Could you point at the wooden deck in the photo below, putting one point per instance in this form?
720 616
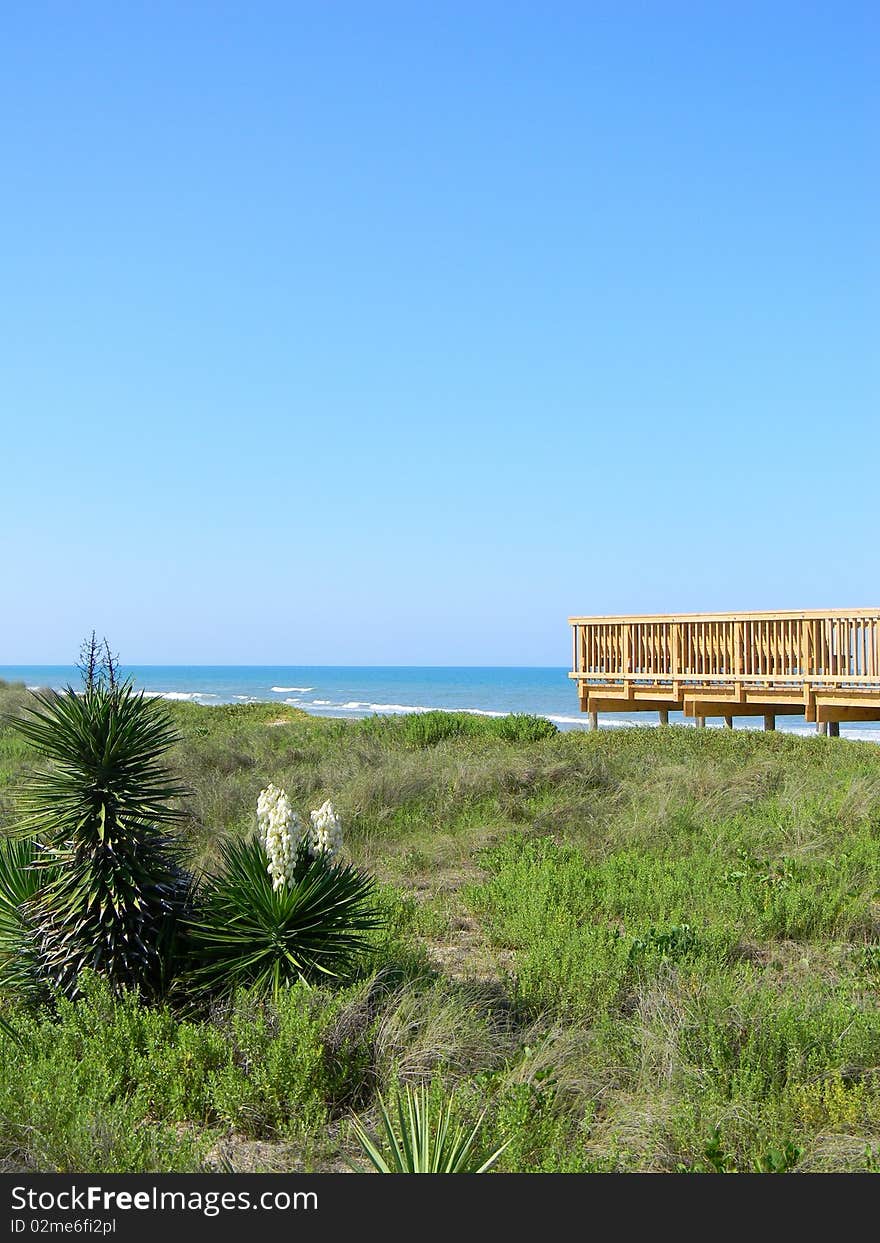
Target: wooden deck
824 665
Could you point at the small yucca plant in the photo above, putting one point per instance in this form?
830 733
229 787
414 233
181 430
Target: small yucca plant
249 931
98 813
20 882
423 1139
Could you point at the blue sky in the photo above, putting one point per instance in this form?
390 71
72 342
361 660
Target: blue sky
395 333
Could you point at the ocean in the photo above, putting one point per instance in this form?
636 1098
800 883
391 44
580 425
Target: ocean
358 691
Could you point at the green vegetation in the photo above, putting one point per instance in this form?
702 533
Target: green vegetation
89 883
247 933
420 1136
21 972
631 950
111 890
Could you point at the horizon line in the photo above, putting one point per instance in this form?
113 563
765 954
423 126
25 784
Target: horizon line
227 665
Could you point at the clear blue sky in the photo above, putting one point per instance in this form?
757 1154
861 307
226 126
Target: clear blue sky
394 333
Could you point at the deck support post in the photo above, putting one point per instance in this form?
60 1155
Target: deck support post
770 720
822 727
834 729
701 722
728 721
664 716
594 720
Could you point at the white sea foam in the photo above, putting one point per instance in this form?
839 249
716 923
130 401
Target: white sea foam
283 690
181 695
359 705
567 720
399 708
847 733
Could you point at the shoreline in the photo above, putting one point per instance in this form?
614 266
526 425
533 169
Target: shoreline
355 693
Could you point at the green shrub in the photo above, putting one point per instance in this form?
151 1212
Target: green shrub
669 943
583 932
280 1081
545 1138
717 1160
523 728
427 729
150 1080
75 1089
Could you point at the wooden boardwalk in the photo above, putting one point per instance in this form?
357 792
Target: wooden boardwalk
824 665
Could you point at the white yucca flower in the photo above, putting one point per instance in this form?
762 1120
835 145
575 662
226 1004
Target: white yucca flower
280 834
325 837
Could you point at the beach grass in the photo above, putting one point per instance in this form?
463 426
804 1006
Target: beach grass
640 949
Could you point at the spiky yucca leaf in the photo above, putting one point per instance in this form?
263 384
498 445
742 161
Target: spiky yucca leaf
20 881
97 810
425 1140
248 934
106 747
9 1031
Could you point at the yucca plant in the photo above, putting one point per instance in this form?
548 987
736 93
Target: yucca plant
20 881
99 813
247 932
422 1138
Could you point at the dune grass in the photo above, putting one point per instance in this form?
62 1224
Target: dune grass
634 950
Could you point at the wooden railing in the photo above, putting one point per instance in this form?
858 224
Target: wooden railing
835 648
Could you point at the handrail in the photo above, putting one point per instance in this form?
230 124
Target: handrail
739 616
833 647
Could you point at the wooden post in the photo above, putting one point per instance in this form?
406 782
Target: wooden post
664 716
822 727
701 722
728 721
594 720
738 668
834 729
770 720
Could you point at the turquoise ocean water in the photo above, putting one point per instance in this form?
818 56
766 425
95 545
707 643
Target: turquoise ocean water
361 691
